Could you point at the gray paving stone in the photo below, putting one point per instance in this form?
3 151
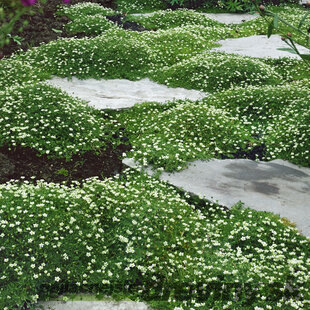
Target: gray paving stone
225 18
121 93
93 305
231 18
277 186
258 46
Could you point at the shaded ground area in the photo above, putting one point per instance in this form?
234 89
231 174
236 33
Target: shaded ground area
23 161
120 20
41 25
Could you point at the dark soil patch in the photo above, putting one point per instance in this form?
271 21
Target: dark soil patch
120 20
41 25
23 162
257 152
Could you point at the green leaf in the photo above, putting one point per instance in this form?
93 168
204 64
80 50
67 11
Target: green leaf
57 30
276 21
270 28
302 21
305 57
286 49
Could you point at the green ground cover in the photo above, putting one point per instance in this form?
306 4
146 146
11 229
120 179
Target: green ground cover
57 238
70 238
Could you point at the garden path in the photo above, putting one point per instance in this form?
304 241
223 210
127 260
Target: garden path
258 46
225 18
118 94
277 186
94 305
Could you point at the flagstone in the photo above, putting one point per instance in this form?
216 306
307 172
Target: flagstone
277 186
231 18
93 305
258 46
121 93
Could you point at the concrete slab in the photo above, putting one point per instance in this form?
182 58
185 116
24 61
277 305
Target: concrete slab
231 18
121 93
277 186
93 305
258 46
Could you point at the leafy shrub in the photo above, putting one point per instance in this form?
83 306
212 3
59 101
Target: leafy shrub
50 121
95 25
215 72
55 237
170 137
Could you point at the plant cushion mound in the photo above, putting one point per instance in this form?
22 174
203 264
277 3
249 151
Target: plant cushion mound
114 54
14 71
173 45
170 138
171 19
214 72
134 231
137 6
259 104
94 24
288 135
80 10
50 121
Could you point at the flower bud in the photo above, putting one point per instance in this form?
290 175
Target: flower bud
289 34
262 8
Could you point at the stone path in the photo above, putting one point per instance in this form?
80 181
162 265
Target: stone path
258 46
277 186
119 94
93 305
225 18
231 18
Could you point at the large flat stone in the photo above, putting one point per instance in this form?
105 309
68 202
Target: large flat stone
258 46
119 94
93 305
225 18
231 18
277 186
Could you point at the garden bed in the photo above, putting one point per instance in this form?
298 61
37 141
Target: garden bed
73 220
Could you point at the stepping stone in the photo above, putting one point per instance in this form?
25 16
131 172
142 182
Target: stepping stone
93 305
225 18
258 46
119 94
231 18
277 186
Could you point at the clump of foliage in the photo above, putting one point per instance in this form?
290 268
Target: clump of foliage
115 54
50 121
55 237
93 25
133 6
171 136
14 71
174 45
215 72
84 9
288 135
166 19
259 104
